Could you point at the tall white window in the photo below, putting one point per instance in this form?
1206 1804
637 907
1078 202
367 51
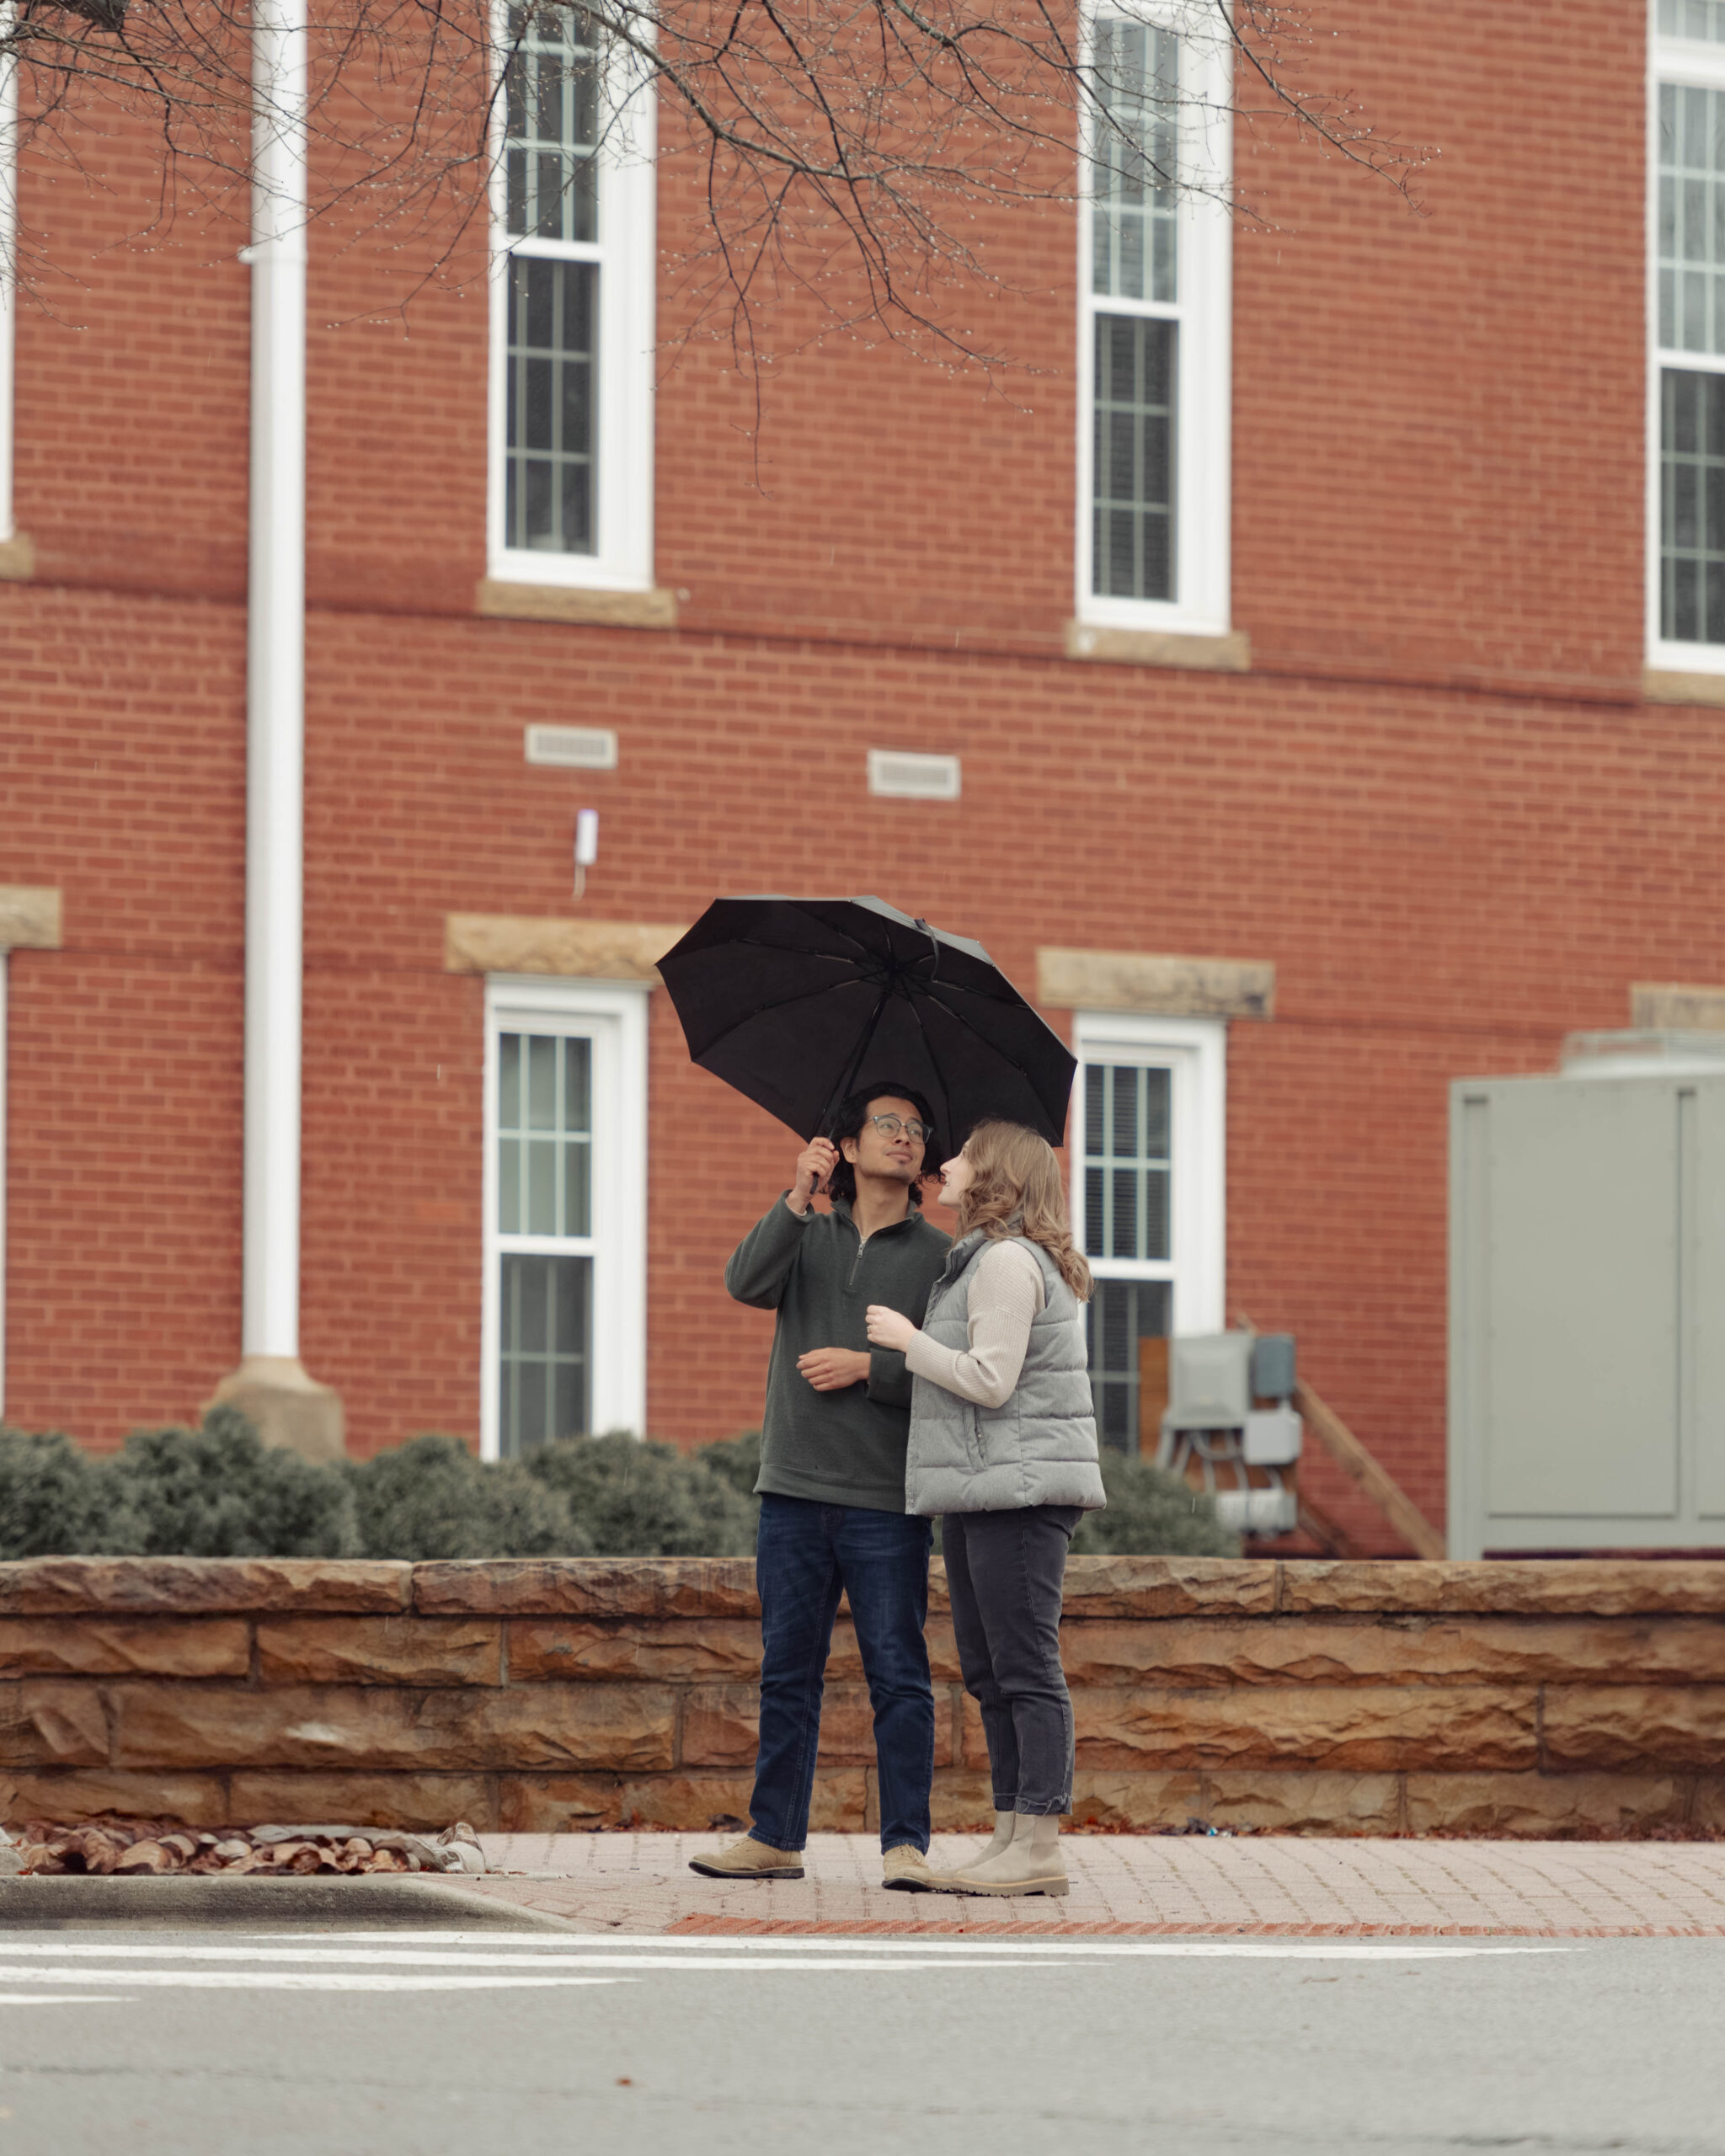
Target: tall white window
1686 335
1149 1198
564 1348
1154 322
572 323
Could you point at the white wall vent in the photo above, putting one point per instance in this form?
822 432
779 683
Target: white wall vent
918 778
574 747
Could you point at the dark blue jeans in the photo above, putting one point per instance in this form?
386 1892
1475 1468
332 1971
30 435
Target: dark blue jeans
805 1554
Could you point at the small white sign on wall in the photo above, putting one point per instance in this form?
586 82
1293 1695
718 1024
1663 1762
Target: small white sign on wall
913 777
574 747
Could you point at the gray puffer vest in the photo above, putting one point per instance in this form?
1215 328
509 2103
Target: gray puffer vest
1038 1446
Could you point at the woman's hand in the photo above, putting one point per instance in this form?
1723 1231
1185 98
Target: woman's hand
889 1329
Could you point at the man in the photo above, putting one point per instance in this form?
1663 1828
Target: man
832 1478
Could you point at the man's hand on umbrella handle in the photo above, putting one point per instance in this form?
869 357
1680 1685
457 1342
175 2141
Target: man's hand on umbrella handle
889 1328
814 1165
830 1370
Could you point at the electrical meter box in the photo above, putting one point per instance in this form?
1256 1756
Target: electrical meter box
1587 1305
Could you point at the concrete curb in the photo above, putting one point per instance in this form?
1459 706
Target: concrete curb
83 1901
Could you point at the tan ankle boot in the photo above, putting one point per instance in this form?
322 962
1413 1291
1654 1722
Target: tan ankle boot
1030 1864
749 1859
1006 1825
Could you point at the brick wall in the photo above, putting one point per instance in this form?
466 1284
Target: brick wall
1568 1698
1437 804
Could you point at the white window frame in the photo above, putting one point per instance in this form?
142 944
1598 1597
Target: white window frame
613 1016
1669 60
626 253
1202 604
1194 1051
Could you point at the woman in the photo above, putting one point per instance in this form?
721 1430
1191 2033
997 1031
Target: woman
1003 1445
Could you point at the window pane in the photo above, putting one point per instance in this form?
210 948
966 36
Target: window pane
1127 1084
542 1082
577 1195
552 418
1132 458
509 1186
1094 1224
1691 218
547 1351
541 1187
1135 133
552 104
578 1084
1119 1316
1158 1086
1691 506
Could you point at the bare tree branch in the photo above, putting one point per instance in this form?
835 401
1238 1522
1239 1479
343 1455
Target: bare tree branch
865 155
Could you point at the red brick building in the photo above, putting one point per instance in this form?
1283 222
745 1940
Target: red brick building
1350 724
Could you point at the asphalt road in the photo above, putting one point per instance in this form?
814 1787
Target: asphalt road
221 2043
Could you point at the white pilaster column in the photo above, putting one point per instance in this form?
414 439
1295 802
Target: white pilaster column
270 1384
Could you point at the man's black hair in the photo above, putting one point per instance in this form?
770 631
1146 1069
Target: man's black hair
847 1121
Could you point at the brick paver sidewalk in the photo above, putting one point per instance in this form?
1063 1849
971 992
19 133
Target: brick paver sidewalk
1140 1883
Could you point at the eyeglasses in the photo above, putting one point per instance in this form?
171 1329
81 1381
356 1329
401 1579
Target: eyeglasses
890 1126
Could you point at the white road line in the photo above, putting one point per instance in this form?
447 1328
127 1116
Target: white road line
59 1998
292 1979
540 1944
897 1956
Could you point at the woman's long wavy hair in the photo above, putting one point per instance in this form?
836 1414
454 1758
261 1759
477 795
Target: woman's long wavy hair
1015 1190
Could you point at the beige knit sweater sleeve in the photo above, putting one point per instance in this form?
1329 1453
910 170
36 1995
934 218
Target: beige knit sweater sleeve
1007 1292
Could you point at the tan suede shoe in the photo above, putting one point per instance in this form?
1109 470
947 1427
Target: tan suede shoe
906 1869
749 1859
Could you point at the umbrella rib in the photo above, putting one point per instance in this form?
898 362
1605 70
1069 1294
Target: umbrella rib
765 943
843 1090
760 1010
1011 1001
993 1047
789 950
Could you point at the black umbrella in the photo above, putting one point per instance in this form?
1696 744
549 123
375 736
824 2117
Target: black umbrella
798 1002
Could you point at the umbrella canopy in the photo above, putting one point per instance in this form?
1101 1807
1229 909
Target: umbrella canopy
798 1002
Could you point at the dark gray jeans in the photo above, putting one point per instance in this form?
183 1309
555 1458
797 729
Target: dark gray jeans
1004 1572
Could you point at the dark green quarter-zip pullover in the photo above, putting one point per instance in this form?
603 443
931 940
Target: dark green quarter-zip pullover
845 1447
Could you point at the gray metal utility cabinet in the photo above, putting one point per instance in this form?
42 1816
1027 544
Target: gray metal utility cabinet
1587 1301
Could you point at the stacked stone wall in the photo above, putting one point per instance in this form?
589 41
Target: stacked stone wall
1583 1697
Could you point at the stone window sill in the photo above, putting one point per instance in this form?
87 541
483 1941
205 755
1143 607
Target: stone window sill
1228 654
18 559
560 602
1662 688
576 950
29 917
1156 984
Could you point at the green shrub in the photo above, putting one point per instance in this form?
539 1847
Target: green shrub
737 1459
1150 1515
220 1491
432 1497
637 1498
56 1500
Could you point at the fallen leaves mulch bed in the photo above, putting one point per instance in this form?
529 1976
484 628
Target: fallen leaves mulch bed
110 1845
